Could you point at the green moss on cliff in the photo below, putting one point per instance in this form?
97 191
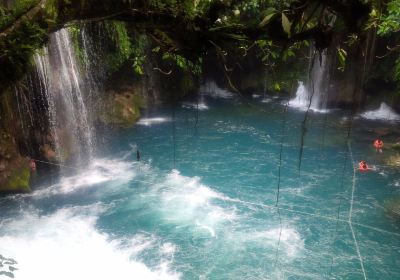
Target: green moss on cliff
394 160
121 44
18 181
122 110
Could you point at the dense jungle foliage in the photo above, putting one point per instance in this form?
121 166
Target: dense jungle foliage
182 32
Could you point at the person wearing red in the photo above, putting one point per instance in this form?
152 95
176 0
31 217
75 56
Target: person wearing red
363 166
378 144
32 164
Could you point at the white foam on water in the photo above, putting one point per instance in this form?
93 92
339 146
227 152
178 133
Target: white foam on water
266 100
212 89
98 172
168 248
189 190
291 245
197 106
384 112
207 228
152 121
188 202
290 240
255 95
66 245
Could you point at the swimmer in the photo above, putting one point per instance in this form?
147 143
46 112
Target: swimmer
137 155
363 166
378 144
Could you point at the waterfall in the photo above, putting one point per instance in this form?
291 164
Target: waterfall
314 94
66 89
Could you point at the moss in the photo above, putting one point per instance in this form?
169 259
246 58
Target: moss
121 44
396 147
122 110
19 46
394 160
18 181
5 108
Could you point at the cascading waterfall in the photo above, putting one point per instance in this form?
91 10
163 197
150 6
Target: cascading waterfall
314 94
66 90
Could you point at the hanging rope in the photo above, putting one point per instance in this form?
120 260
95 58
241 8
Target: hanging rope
304 122
280 153
279 182
342 191
174 132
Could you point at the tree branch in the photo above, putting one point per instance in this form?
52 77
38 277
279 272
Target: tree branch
29 15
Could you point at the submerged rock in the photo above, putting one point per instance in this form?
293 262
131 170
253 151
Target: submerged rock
48 152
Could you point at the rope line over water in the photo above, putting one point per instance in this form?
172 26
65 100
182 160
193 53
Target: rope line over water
351 210
324 217
56 164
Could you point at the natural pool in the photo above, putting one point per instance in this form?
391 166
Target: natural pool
201 203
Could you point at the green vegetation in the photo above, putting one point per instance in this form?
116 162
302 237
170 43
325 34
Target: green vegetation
8 16
23 29
182 32
121 42
177 38
18 181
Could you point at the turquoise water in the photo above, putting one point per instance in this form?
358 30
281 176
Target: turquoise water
201 204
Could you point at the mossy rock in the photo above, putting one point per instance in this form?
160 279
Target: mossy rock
395 146
122 110
394 160
18 180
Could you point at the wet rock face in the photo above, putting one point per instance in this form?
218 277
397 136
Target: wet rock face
48 152
122 109
14 169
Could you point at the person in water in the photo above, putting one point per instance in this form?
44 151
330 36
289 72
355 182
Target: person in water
378 144
362 165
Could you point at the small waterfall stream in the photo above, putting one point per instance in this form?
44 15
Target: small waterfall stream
314 93
66 89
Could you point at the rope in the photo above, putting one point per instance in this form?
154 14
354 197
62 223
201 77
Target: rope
279 181
351 211
280 153
280 235
174 132
304 122
334 219
56 164
342 190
